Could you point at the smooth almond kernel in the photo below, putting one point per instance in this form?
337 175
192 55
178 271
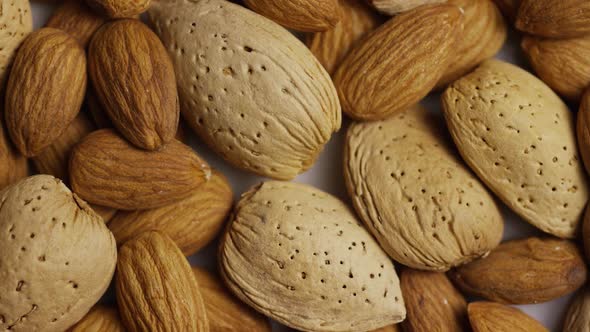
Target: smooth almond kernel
495 317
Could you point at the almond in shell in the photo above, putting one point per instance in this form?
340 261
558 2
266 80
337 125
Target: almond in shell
16 22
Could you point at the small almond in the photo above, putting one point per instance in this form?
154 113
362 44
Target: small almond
495 317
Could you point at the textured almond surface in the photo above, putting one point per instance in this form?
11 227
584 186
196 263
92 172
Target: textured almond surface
119 8
494 317
192 222
302 15
299 256
554 18
392 7
225 312
530 270
57 256
424 206
156 289
399 63
106 170
53 160
577 318
518 137
247 86
134 81
52 67
484 34
100 319
75 18
563 64
331 46
16 22
13 165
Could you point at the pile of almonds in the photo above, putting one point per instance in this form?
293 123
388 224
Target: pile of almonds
98 105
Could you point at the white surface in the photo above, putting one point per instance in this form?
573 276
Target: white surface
326 174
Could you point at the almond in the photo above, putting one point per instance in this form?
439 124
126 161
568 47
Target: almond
583 129
156 289
554 18
75 18
256 95
577 318
391 7
299 256
509 8
302 15
134 81
225 312
16 22
431 300
192 222
331 46
52 67
524 271
563 64
494 317
13 166
484 34
399 63
106 170
100 319
53 160
120 8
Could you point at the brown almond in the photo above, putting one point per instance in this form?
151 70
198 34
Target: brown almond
331 46
495 317
224 311
577 318
530 270
77 19
399 63
156 289
119 8
563 64
100 319
45 89
13 166
53 160
554 18
431 300
302 15
192 222
106 170
134 81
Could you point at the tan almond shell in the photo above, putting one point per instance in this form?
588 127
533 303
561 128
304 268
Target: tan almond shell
266 109
519 138
392 7
331 46
156 289
495 317
107 170
77 19
526 271
554 18
484 34
119 8
302 15
225 312
577 318
299 256
375 82
58 257
424 206
192 222
432 301
100 319
563 64
133 79
16 21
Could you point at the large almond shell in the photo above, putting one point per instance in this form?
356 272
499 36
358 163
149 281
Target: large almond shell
302 15
16 22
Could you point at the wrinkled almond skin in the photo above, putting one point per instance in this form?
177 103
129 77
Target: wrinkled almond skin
75 18
192 222
107 170
302 15
16 22
373 82
554 18
392 7
100 319
53 160
52 67
156 289
431 300
13 165
331 46
224 311
525 271
119 8
134 81
577 318
495 317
